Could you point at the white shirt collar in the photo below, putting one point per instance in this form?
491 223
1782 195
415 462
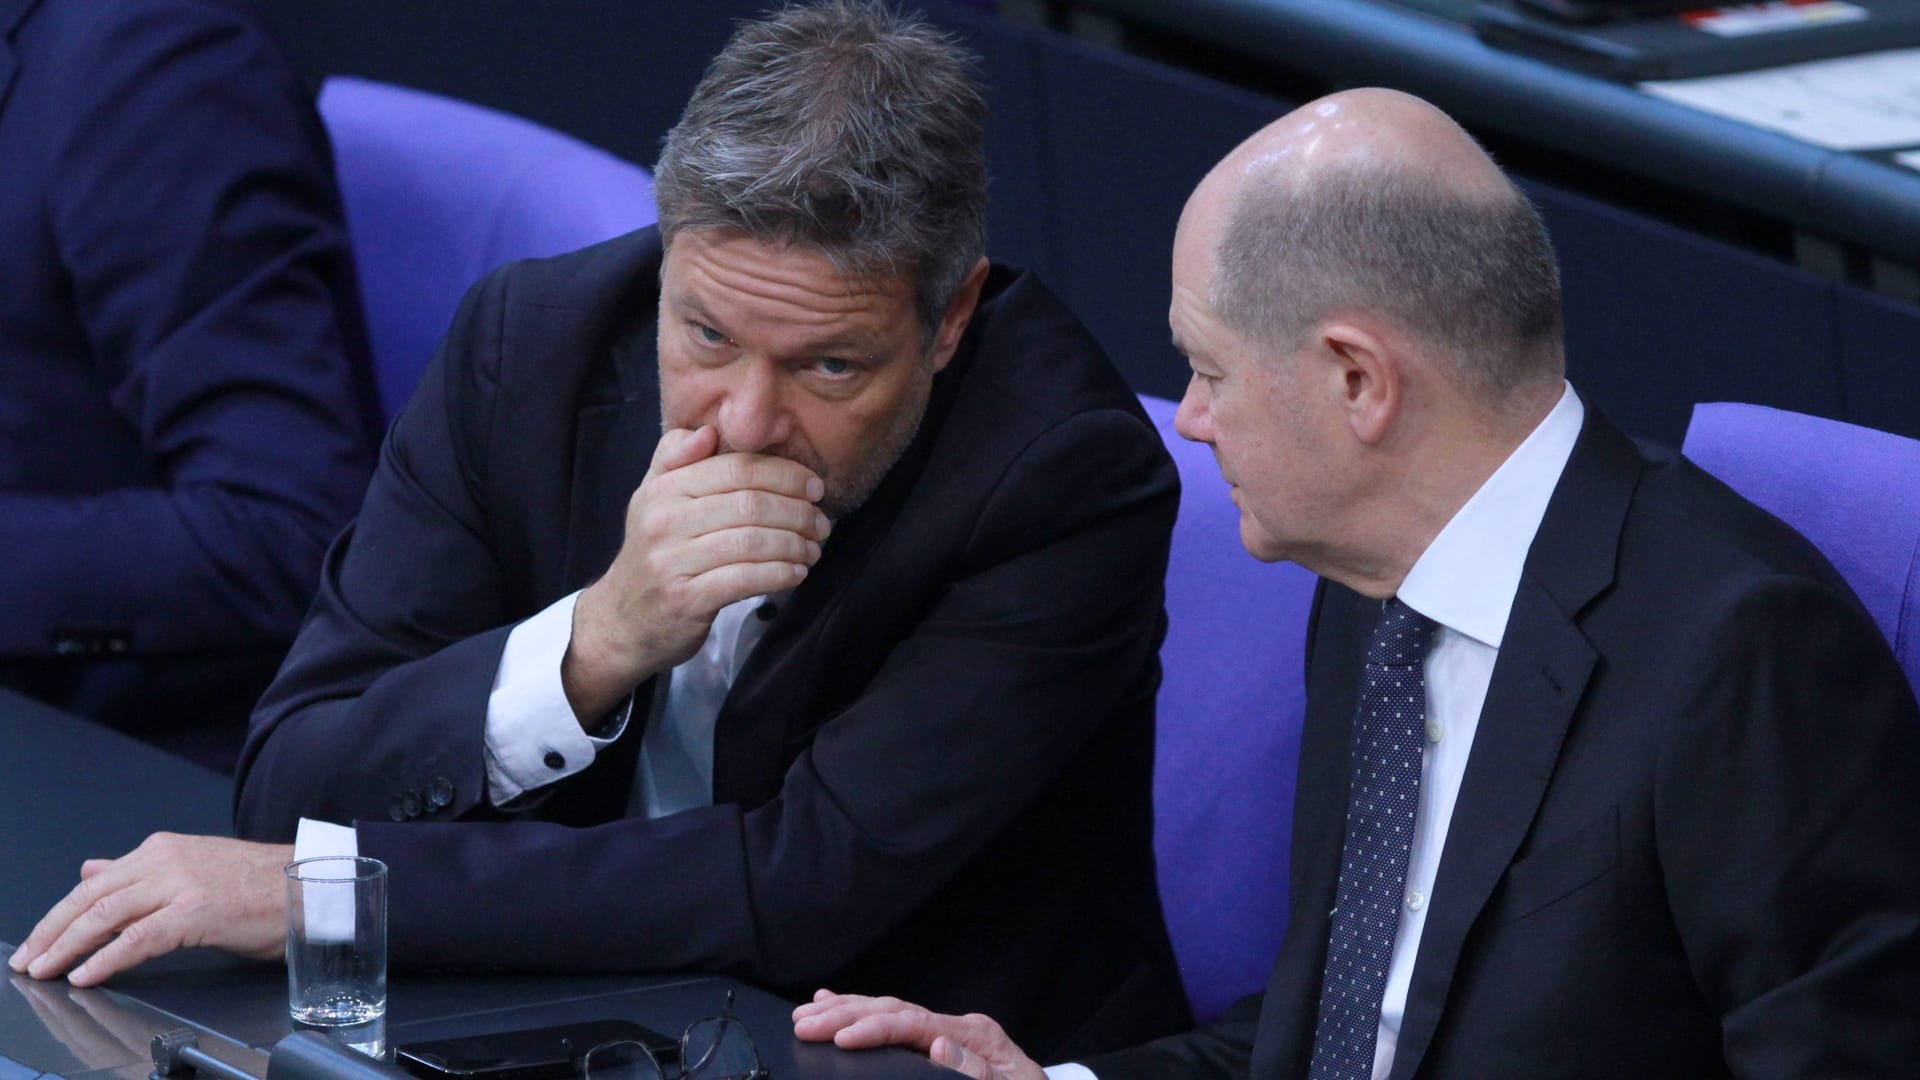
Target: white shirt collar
1467 577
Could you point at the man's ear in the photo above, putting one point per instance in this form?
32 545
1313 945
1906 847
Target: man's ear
1369 377
959 312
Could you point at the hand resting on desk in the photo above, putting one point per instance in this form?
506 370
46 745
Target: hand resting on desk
171 892
974 1045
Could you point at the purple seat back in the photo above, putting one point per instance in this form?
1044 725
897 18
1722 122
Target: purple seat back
1853 491
1228 747
439 191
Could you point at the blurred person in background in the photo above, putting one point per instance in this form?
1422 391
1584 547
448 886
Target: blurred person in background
187 417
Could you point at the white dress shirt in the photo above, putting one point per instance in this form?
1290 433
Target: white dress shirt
533 739
1465 581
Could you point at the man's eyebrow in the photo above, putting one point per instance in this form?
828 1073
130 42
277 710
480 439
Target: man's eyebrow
685 300
852 345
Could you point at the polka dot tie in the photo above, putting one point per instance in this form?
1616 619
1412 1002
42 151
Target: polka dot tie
1389 732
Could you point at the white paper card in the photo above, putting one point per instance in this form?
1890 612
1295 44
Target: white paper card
1911 159
1744 20
1867 102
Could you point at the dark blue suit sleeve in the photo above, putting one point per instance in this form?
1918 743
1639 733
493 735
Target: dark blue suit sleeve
389 678
192 206
1786 805
1220 1050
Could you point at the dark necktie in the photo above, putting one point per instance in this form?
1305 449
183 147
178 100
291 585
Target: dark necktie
1389 733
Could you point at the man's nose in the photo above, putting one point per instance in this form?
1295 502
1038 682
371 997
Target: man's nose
753 417
1191 419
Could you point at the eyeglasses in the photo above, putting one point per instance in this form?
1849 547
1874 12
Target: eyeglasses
717 1048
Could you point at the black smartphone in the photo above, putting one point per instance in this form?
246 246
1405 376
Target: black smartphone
542 1053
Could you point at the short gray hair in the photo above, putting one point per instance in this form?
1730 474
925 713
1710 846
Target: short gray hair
1471 273
844 127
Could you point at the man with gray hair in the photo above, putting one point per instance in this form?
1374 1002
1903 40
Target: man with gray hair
1605 772
787 578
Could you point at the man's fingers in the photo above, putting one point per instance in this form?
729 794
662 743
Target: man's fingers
973 1044
680 447
950 1053
855 1022
809 1019
54 923
734 582
907 1026
110 909
140 941
748 472
735 509
169 892
748 544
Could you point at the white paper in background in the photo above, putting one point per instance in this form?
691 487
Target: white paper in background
1867 102
1779 17
1911 159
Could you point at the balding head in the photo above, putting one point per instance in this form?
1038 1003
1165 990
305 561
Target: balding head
1374 202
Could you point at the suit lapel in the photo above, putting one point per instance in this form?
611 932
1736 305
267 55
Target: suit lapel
777 700
614 443
1538 681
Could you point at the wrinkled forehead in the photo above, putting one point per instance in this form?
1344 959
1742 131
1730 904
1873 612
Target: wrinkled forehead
738 276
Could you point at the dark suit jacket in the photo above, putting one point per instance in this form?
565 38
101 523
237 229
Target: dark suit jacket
186 415
932 775
1687 843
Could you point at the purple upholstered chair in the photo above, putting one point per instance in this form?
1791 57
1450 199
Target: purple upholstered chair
439 191
1230 710
1853 491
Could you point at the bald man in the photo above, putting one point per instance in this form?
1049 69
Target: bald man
1605 772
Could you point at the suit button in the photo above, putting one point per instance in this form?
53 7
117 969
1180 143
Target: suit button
439 793
410 804
72 641
555 760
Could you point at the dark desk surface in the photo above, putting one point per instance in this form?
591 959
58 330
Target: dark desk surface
102 1034
70 790
1849 197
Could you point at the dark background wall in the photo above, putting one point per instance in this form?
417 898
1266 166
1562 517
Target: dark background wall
1093 152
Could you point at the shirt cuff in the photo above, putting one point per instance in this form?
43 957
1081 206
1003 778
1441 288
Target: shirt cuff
1069 1071
327 913
316 839
532 737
